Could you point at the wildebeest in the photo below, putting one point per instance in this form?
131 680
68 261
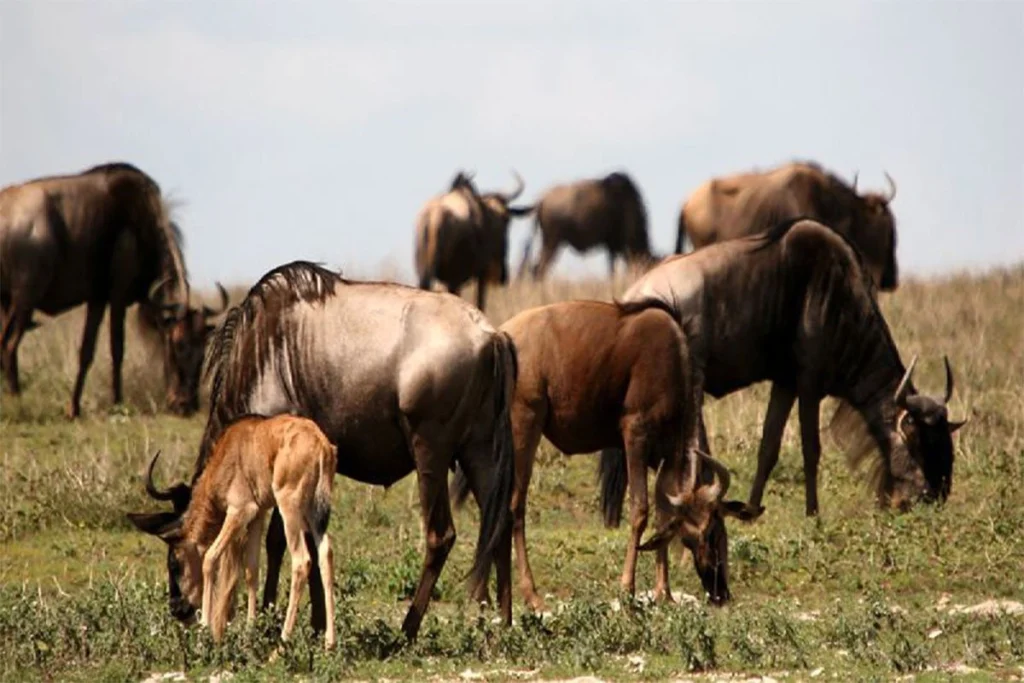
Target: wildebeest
100 237
794 306
590 213
747 203
257 463
596 375
462 235
398 379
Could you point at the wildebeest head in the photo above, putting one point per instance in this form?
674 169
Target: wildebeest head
878 235
185 330
923 442
697 518
184 560
499 212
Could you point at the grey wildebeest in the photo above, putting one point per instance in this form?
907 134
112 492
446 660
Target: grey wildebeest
463 235
100 237
591 213
257 463
747 203
794 306
400 380
596 375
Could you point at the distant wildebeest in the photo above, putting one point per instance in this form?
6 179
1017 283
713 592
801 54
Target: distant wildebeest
595 375
601 212
463 235
795 307
101 237
256 464
747 203
399 380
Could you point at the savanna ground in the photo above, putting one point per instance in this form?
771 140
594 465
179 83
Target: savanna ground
856 593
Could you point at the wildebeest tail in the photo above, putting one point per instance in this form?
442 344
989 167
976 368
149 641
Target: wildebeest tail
496 516
612 478
324 486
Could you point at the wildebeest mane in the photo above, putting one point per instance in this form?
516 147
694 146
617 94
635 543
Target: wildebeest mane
774 234
240 345
623 185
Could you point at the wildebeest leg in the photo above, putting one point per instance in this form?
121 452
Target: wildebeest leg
810 441
93 318
636 474
662 591
779 406
295 531
440 530
117 313
275 555
16 321
548 252
252 564
527 425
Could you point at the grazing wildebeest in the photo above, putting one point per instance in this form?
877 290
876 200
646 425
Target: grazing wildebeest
258 463
101 237
794 306
747 203
462 235
399 380
595 375
590 213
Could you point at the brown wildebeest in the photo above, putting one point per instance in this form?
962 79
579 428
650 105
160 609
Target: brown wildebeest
590 213
399 379
101 237
795 307
462 235
594 375
257 463
747 203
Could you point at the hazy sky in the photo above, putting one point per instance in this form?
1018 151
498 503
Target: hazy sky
316 129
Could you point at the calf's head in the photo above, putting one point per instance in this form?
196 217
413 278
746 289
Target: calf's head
697 512
184 559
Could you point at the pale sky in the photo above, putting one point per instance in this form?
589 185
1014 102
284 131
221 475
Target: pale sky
317 129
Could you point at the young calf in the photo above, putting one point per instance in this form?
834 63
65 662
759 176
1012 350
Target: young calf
258 463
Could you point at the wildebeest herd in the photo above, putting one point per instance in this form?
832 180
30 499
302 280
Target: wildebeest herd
313 373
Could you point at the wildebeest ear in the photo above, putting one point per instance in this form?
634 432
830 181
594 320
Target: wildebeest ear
953 426
741 511
165 525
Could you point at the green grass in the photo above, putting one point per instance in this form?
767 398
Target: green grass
856 593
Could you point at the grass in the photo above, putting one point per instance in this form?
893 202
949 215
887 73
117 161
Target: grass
856 593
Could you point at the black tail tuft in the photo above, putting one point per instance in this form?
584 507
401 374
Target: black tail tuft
496 515
321 510
681 235
612 477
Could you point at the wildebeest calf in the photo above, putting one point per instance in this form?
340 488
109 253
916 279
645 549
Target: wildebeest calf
257 464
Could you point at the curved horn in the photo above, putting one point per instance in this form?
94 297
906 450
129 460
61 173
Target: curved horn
900 396
899 425
949 380
892 187
514 194
224 299
157 286
150 488
722 472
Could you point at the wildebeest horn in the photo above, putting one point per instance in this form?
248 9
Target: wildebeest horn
152 490
892 187
157 286
854 186
900 397
949 380
722 472
224 299
514 194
